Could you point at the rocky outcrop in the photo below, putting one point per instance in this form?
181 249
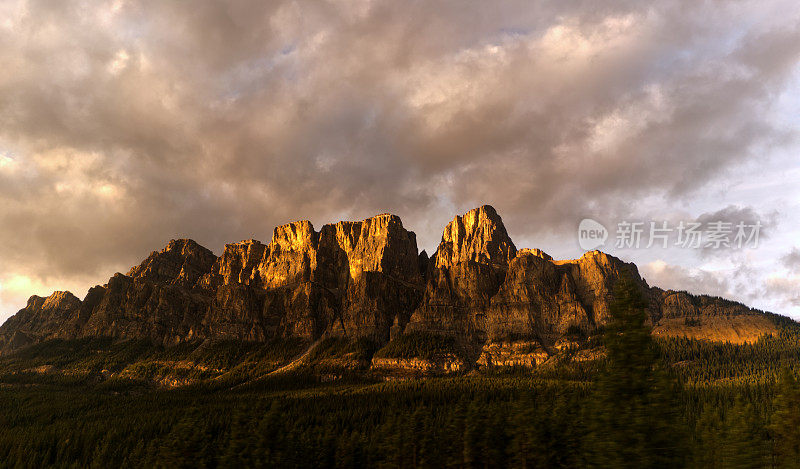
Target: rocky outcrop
544 299
705 317
526 354
404 366
366 279
356 279
291 257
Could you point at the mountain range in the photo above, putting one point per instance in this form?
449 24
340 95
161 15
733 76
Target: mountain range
367 280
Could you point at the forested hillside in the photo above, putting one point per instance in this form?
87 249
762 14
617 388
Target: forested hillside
640 402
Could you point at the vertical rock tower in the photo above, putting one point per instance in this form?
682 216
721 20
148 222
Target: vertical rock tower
467 269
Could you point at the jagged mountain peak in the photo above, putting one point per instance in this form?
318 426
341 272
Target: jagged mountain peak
181 262
478 235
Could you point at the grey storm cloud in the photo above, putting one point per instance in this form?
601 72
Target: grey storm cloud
126 123
736 214
791 260
755 227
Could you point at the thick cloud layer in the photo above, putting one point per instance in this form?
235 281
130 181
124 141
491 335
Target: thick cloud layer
126 123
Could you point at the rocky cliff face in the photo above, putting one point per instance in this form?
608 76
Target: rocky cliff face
367 279
481 288
378 274
463 275
350 278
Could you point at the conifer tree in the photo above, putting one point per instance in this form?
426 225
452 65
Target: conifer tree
786 421
634 419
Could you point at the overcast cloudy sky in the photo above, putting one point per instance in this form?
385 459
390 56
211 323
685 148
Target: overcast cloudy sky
124 124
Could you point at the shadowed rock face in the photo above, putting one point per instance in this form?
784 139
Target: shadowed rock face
537 299
181 263
376 272
238 264
365 279
547 298
56 316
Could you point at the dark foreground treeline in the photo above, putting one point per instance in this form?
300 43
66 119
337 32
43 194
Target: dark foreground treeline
473 422
677 404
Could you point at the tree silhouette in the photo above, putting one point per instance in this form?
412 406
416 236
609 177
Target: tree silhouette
633 419
786 420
